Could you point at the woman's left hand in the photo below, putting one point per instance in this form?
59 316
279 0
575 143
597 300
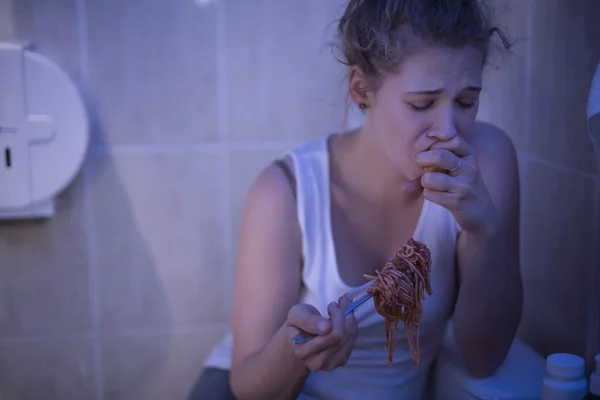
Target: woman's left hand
461 190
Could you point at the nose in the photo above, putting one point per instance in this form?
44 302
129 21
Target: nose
445 128
442 133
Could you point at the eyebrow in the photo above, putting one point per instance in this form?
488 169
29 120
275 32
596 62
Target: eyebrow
438 91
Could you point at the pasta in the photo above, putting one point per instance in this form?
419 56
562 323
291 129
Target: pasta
435 169
399 292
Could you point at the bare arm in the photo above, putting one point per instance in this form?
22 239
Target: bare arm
490 299
267 285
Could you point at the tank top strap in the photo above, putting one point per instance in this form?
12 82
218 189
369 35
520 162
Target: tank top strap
311 170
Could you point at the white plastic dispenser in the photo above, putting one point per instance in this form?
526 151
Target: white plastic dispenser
44 133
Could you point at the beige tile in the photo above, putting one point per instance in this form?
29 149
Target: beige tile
594 332
565 54
155 367
153 71
46 370
44 272
283 82
504 100
594 133
7 22
522 161
159 231
52 27
557 254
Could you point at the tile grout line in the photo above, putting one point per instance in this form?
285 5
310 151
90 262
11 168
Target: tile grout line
209 148
117 333
90 220
63 337
82 39
94 284
524 155
528 81
224 138
522 162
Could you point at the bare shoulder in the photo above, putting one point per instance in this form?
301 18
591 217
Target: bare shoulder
271 185
493 146
487 138
271 205
272 192
270 216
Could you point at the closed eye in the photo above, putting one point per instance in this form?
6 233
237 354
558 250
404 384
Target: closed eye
421 106
426 106
465 104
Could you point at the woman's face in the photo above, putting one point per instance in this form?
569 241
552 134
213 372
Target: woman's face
434 97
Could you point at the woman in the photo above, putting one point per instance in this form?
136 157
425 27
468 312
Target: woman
339 207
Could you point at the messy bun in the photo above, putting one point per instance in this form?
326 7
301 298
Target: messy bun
376 35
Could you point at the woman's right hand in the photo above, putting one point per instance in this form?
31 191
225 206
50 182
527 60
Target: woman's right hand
335 337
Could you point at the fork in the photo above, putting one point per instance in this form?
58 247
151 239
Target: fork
305 337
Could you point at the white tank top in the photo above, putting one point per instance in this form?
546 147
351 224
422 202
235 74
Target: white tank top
367 373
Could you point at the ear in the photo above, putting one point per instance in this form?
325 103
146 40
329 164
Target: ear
358 86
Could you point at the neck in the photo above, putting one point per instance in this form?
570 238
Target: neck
369 168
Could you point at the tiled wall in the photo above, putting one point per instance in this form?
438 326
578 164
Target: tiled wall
560 179
539 96
122 294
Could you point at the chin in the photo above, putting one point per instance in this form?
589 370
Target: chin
415 173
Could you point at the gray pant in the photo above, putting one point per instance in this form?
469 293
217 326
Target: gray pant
213 384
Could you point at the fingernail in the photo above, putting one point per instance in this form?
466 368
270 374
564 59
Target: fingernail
322 326
349 297
333 304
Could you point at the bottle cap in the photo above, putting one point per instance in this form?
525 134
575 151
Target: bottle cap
565 365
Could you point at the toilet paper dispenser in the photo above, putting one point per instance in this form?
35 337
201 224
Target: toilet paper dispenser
44 133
